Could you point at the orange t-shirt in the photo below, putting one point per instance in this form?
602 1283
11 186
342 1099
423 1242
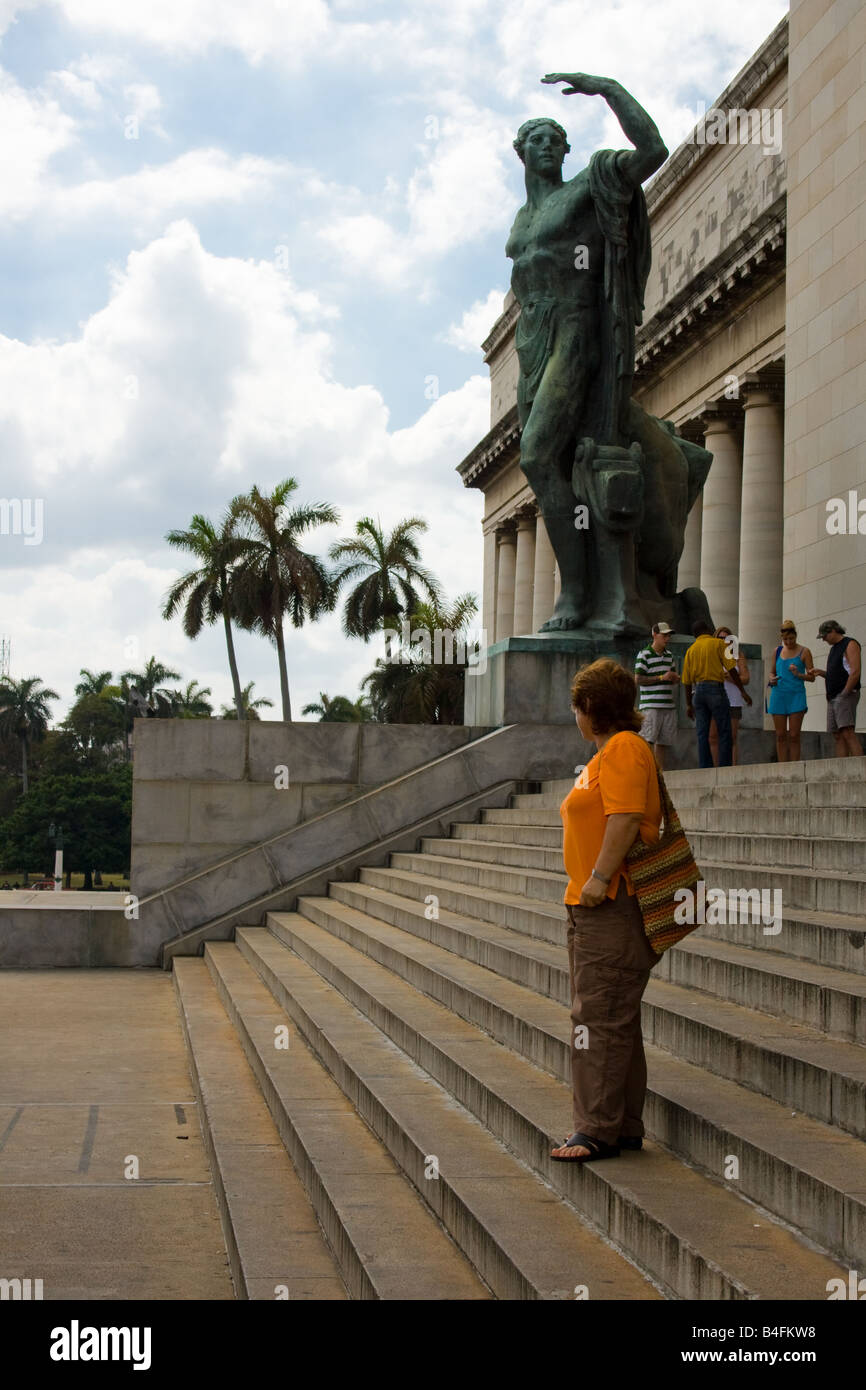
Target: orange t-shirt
620 780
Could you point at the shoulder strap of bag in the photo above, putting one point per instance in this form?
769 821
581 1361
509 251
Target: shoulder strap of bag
670 819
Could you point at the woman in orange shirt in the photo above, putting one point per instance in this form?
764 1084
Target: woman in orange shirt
615 799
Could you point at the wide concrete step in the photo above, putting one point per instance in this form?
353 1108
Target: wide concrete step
272 1236
513 853
526 960
698 1238
525 1240
794 1064
824 855
533 814
807 1173
545 920
423 953
812 771
834 939
387 1241
830 1000
511 832
822 891
817 822
835 891
773 796
828 782
820 852
547 885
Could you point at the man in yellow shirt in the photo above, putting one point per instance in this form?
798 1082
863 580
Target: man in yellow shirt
707 664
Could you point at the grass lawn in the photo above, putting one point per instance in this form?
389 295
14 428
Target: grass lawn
116 882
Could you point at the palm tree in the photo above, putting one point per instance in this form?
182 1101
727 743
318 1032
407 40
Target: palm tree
274 577
206 591
93 683
24 714
191 703
249 706
152 676
340 709
415 688
389 569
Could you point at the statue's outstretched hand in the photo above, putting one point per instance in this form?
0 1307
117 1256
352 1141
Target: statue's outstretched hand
581 83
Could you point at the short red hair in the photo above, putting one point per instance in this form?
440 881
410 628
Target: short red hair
605 693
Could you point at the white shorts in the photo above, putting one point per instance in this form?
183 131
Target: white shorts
659 726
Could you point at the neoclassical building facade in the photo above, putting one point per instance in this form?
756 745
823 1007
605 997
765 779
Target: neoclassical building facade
753 343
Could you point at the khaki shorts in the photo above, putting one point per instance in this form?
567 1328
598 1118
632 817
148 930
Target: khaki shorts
842 711
659 726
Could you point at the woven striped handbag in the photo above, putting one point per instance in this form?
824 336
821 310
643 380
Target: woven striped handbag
657 871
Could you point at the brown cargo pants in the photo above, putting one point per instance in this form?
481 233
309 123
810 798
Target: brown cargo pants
610 961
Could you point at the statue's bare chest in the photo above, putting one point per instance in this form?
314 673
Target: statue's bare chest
566 216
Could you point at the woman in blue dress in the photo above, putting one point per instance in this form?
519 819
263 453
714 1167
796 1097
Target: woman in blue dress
787 702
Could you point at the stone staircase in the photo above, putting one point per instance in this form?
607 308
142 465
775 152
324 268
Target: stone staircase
382 1071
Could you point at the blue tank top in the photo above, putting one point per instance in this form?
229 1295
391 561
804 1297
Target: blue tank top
787 682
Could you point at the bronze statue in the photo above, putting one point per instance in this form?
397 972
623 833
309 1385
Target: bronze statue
614 484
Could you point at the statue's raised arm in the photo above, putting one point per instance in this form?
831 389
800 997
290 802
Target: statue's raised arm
650 151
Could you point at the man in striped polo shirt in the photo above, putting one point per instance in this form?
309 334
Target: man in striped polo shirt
656 674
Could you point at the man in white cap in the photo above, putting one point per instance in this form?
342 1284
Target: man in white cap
656 674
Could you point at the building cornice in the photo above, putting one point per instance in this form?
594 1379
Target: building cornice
715 292
502 329
740 94
495 448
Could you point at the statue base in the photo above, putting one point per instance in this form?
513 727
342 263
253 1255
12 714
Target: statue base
527 680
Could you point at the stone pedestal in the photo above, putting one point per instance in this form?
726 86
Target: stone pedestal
527 680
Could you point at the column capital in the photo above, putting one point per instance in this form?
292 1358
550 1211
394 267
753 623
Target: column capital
721 413
506 534
758 388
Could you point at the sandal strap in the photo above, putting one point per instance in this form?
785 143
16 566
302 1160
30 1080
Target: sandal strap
585 1141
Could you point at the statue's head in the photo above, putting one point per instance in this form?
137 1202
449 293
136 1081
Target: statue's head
542 145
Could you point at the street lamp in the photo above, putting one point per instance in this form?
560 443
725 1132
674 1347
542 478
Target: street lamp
56 834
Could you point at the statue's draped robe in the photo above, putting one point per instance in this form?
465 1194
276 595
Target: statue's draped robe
622 216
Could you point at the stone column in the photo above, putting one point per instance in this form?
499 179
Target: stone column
689 572
545 571
506 566
761 524
488 594
523 575
720 524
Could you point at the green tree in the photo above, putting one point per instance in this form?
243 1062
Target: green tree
94 809
98 721
275 578
388 569
249 706
192 702
339 710
151 679
205 593
412 688
24 715
92 683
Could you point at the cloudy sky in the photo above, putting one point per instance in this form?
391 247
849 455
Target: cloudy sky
242 241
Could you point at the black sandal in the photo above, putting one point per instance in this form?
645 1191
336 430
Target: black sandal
626 1141
597 1149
